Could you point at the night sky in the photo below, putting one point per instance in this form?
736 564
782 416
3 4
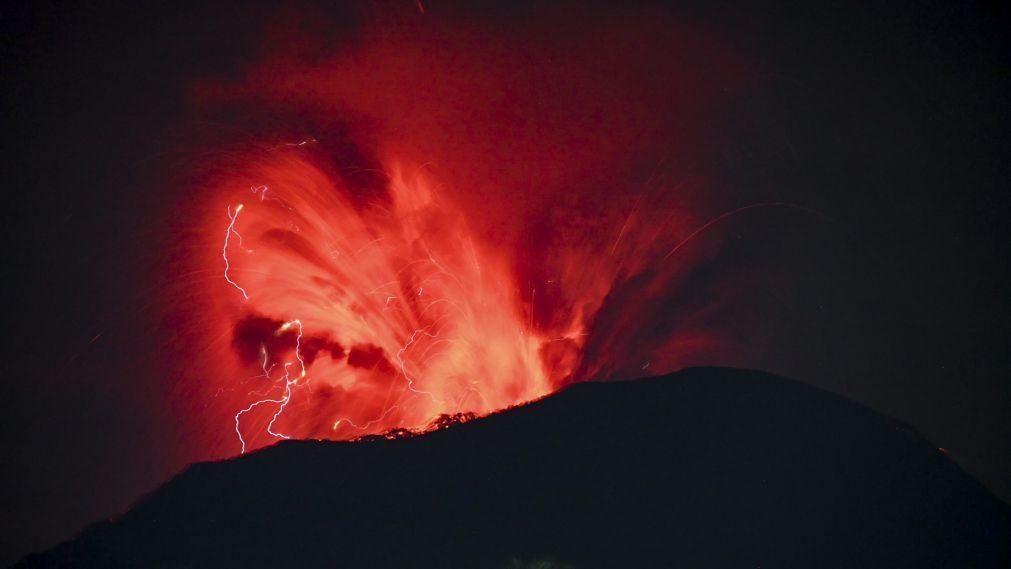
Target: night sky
888 124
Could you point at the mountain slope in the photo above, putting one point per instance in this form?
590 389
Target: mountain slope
708 467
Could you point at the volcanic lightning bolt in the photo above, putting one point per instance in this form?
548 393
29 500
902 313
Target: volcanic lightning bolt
232 218
289 381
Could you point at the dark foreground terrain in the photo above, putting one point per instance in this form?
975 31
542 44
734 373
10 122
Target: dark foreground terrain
702 468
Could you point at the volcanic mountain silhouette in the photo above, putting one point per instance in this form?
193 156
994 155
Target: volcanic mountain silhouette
708 467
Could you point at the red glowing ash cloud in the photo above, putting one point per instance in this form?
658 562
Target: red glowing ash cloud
466 238
364 319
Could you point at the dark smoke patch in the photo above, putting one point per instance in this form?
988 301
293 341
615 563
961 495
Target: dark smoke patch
368 356
253 335
312 346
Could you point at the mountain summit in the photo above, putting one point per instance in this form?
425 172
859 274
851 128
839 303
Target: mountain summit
708 467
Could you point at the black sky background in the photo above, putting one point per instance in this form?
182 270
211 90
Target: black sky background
891 120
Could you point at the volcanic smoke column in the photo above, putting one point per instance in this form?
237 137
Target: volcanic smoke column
356 320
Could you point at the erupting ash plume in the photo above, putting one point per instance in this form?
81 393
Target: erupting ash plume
487 222
391 314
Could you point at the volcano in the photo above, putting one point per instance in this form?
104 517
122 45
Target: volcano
708 467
